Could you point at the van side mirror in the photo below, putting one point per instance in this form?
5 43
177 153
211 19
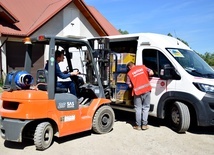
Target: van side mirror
168 72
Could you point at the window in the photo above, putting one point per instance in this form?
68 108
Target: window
192 62
154 60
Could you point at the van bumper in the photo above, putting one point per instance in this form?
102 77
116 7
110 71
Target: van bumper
206 118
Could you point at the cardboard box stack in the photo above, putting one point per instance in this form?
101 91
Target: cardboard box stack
122 60
119 75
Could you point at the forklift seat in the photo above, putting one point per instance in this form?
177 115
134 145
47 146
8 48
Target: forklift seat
42 79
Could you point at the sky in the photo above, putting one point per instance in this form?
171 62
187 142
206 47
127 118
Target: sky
190 20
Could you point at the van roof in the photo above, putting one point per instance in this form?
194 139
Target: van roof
152 39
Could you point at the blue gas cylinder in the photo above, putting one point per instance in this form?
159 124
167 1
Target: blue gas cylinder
23 79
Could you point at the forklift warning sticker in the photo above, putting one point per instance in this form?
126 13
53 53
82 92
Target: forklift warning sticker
68 118
176 53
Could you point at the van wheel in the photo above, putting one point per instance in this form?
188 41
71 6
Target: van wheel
43 136
179 117
103 120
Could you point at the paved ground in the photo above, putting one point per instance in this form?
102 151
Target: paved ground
123 140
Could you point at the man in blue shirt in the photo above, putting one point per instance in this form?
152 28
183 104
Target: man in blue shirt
59 57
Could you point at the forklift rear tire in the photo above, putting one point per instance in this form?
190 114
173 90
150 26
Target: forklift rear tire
43 136
103 120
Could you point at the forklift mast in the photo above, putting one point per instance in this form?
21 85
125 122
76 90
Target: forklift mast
101 56
106 62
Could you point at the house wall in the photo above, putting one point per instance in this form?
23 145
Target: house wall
68 22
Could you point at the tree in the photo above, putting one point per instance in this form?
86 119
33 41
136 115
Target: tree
123 32
169 34
208 57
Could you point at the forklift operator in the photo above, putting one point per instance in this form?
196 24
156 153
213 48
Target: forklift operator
59 57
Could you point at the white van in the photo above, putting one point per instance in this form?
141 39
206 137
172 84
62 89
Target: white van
183 84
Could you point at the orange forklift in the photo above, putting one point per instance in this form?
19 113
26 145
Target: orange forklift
38 110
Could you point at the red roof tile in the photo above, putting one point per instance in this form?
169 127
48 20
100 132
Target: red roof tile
32 14
5 13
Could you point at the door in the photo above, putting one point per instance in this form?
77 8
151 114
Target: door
155 59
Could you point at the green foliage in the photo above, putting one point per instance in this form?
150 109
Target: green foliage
208 57
169 34
123 32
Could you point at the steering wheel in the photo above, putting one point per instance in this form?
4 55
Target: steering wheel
76 69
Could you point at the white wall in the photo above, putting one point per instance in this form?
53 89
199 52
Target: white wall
68 22
3 57
76 24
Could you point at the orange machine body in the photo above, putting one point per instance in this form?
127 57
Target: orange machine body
34 105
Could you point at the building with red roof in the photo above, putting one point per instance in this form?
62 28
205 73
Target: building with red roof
24 18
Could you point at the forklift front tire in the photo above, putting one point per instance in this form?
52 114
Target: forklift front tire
103 120
43 136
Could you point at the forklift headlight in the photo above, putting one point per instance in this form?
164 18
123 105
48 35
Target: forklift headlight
204 87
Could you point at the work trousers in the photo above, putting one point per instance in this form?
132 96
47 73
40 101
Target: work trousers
142 105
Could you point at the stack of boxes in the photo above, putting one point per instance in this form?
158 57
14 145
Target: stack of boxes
119 75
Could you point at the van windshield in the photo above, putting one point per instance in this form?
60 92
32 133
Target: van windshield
192 63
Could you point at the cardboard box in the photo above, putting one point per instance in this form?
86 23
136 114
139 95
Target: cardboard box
125 58
120 68
121 77
122 60
123 92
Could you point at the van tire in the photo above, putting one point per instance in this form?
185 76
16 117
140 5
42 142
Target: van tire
103 120
179 117
43 136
